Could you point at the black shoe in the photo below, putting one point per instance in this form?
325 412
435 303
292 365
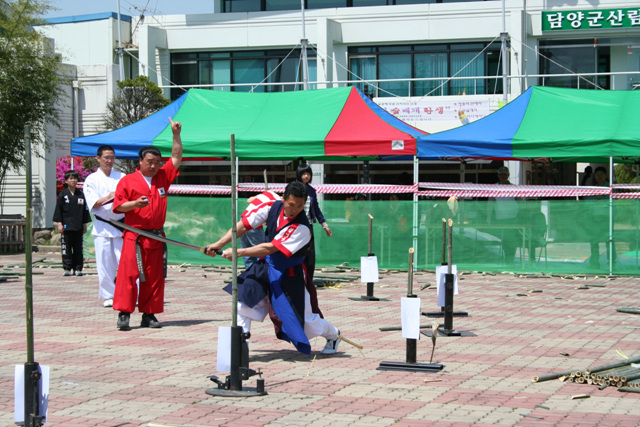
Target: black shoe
66 273
149 321
78 273
123 321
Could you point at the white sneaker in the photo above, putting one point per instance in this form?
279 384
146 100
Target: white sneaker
332 346
108 303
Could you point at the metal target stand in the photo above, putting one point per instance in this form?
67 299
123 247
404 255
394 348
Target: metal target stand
239 363
410 363
369 296
449 284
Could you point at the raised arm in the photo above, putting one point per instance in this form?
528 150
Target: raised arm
176 149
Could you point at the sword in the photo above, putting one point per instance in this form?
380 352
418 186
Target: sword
122 226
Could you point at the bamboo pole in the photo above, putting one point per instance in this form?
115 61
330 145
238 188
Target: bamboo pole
410 273
444 241
614 365
398 328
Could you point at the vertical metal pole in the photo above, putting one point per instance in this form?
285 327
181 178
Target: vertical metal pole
610 218
303 43
31 368
503 49
120 59
416 178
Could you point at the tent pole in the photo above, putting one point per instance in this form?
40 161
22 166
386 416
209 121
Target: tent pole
416 178
610 218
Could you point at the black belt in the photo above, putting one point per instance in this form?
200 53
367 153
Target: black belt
139 255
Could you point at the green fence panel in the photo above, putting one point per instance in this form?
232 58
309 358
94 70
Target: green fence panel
551 236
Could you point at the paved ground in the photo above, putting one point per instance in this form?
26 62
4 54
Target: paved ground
144 377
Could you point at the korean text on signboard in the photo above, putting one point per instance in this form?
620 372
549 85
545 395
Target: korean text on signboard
590 19
430 111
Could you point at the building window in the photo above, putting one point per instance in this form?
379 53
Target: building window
575 56
241 71
397 64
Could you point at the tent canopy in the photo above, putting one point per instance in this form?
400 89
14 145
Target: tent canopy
548 122
283 125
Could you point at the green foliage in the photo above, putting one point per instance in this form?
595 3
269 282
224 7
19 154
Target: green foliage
31 80
626 174
137 99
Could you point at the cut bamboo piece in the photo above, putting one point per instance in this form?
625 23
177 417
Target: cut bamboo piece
630 310
548 377
629 389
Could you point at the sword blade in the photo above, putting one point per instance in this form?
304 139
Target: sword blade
122 226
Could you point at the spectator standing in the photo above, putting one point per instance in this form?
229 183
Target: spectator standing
506 212
72 217
100 190
304 174
599 221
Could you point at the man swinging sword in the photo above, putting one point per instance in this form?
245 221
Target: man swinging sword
276 284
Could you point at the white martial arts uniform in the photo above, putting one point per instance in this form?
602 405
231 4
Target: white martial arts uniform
107 239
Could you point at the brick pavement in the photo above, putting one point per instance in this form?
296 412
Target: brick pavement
144 377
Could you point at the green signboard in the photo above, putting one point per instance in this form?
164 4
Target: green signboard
590 19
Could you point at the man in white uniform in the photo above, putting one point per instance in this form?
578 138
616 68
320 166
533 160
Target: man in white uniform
99 189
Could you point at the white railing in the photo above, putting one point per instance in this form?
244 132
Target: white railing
486 83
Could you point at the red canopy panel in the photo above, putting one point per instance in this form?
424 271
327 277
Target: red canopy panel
360 130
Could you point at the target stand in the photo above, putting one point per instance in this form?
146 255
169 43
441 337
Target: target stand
232 386
410 363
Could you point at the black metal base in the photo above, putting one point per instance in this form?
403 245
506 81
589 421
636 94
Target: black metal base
368 298
442 332
245 392
413 367
441 313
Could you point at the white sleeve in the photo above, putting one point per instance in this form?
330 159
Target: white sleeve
256 216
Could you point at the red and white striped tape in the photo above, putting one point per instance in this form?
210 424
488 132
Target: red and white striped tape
200 189
440 189
433 189
279 188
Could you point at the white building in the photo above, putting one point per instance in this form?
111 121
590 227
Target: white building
409 48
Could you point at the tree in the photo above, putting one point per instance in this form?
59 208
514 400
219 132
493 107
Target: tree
31 81
626 173
136 99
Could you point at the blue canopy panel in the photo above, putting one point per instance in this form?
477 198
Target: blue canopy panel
489 137
143 133
390 118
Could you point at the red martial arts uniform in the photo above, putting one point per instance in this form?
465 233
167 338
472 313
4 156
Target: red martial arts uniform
151 217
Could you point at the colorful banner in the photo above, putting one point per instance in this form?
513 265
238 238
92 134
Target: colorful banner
438 109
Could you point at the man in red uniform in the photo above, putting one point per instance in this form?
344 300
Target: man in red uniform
142 197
